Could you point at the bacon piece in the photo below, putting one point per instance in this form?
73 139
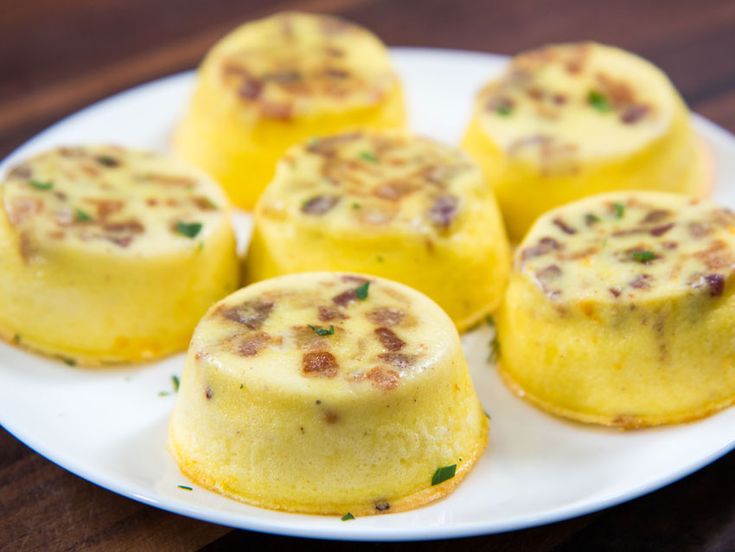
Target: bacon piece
397 360
545 245
389 339
444 210
657 215
251 314
633 113
563 226
329 313
319 364
383 378
715 283
134 226
394 191
386 316
252 344
661 230
319 205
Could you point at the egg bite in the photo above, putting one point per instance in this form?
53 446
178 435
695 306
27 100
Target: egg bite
110 255
620 310
572 120
275 82
327 393
398 206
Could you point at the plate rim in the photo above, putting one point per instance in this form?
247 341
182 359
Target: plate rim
352 531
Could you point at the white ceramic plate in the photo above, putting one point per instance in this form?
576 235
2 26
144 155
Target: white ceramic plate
109 426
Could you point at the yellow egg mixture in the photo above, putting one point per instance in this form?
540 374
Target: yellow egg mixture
110 254
572 120
277 81
399 206
620 310
327 393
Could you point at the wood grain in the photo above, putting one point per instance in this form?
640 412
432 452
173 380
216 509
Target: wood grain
59 55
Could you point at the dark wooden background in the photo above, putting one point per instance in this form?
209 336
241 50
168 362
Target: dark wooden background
56 56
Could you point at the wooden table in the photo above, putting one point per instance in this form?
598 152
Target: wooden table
59 55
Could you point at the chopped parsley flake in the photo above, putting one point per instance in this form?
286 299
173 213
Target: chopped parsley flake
356 205
591 219
69 361
489 320
494 349
619 209
163 393
504 110
598 101
443 474
368 156
189 229
81 216
486 415
175 382
347 517
185 487
16 338
642 256
362 291
40 185
322 331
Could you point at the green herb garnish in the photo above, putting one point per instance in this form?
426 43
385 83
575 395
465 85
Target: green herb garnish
443 474
40 185
362 291
356 205
81 216
591 219
185 487
486 415
598 101
189 229
368 156
16 338
175 381
490 321
642 256
619 209
69 361
163 393
322 331
504 110
347 517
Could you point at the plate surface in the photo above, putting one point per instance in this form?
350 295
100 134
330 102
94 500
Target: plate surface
109 426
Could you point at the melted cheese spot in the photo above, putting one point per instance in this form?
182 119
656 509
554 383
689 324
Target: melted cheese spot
295 63
630 246
564 102
374 183
110 199
305 328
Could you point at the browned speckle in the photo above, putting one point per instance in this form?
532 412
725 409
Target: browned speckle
397 360
389 339
331 417
252 344
382 505
319 364
319 205
133 226
383 378
251 313
386 316
208 393
657 215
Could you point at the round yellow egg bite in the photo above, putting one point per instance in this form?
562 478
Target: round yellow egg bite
327 393
110 254
620 310
277 81
399 206
572 120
